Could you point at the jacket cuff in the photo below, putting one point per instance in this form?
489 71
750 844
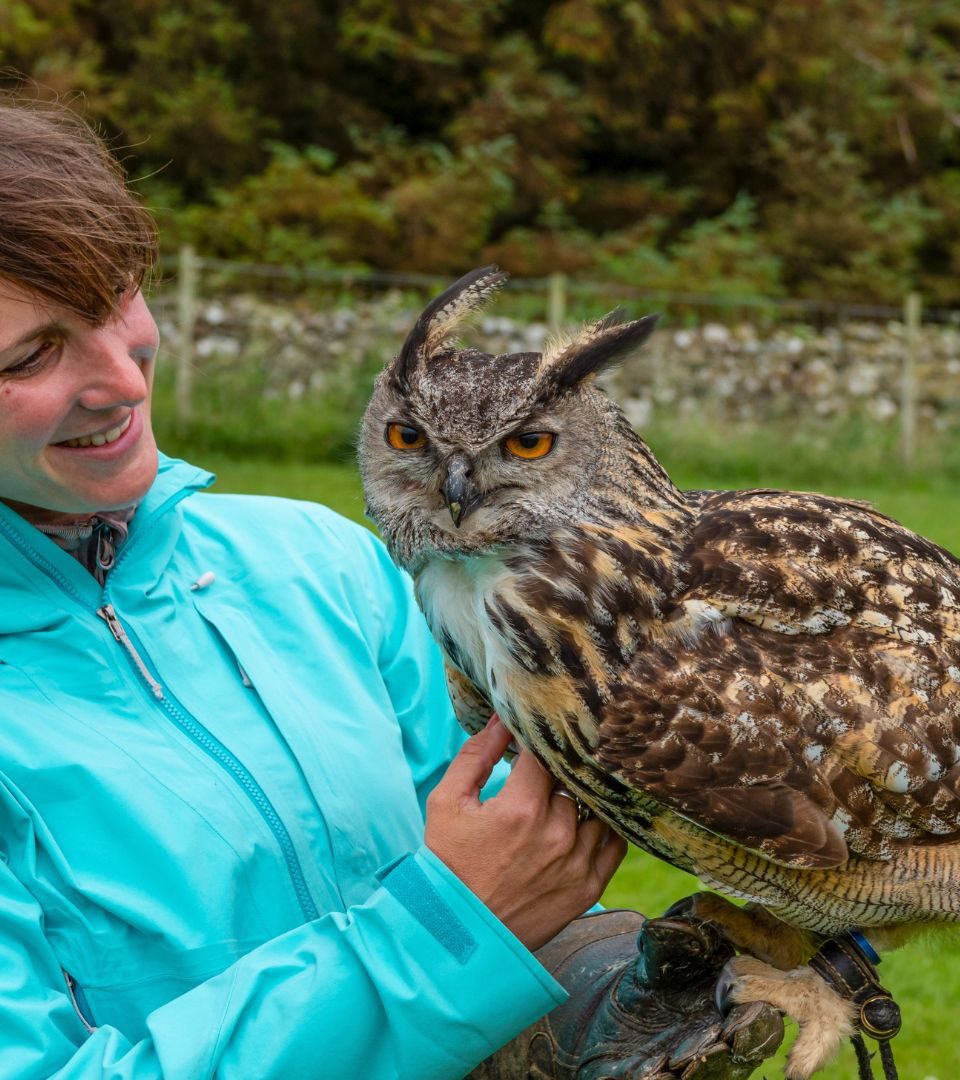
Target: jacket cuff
470 932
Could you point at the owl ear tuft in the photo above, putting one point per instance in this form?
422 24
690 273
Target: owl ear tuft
442 316
597 346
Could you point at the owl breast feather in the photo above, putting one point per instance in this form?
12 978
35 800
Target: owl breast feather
455 595
541 670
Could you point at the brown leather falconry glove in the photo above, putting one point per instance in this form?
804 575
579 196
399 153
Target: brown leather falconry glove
641 1005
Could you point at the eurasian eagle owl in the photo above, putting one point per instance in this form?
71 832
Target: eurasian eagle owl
760 687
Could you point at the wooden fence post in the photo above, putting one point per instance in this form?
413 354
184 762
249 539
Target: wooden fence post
912 310
556 302
187 276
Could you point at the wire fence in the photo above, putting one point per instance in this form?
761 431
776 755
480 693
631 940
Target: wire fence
557 291
190 281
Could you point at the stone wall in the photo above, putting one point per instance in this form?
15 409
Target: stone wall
739 373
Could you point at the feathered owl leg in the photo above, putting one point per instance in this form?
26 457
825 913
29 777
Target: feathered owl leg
751 929
824 1019
471 708
776 972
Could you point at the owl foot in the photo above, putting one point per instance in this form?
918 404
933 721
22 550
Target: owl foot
824 1019
750 929
641 1005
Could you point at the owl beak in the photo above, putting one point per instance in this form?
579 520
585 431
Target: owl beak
458 491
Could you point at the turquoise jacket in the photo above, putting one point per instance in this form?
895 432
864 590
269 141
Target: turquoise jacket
211 810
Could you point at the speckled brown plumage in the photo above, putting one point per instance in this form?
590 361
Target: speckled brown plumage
780 673
761 687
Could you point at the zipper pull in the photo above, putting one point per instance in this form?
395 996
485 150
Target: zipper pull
109 616
106 548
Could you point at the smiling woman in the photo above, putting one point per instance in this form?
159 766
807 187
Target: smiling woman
75 433
241 834
77 341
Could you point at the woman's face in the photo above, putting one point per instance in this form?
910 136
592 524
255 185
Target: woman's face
75 430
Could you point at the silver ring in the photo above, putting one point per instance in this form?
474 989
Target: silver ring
583 812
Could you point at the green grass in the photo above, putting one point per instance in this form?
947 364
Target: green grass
924 977
334 485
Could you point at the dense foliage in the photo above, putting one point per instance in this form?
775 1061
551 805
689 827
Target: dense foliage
806 147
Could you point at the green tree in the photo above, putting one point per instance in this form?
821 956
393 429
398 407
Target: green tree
819 137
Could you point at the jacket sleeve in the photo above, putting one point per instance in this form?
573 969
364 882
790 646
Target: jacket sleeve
420 982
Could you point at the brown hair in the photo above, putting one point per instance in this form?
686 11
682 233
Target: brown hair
69 227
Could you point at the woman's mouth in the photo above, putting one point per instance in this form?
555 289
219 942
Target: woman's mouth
110 443
101 438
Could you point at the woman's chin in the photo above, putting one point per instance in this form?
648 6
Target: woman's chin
84 482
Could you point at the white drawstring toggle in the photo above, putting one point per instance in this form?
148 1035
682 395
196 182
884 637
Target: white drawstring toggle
208 577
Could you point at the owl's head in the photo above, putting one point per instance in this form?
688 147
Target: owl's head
461 451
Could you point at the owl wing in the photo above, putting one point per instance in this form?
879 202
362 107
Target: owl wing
802 563
470 706
803 769
803 702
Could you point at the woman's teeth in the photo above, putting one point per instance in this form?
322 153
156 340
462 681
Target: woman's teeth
104 437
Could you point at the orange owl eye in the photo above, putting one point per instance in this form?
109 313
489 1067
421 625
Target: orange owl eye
405 437
530 445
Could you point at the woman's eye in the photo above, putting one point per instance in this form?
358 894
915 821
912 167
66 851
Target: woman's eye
530 444
29 364
405 437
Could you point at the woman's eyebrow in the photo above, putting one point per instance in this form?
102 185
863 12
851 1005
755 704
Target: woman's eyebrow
37 331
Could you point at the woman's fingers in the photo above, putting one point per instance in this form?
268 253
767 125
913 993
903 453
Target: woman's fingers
474 763
565 806
608 854
523 852
529 777
591 835
600 847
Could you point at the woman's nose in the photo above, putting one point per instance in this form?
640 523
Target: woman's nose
113 370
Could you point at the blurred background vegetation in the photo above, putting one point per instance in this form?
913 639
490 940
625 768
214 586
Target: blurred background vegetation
736 146
745 151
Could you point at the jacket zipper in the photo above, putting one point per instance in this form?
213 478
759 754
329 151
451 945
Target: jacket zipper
215 749
192 727
107 613
79 1001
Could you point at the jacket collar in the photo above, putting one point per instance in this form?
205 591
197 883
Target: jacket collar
36 575
175 480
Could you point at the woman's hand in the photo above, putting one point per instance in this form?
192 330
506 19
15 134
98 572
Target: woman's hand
522 852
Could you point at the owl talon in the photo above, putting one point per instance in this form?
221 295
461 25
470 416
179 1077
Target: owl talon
723 993
676 949
682 908
749 929
705 909
694 1046
753 1031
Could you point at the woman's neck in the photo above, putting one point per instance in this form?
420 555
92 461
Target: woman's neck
39 515
92 539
